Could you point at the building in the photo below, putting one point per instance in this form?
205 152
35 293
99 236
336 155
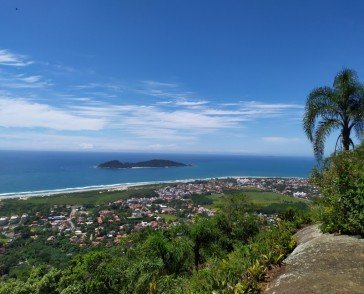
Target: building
4 221
24 218
14 220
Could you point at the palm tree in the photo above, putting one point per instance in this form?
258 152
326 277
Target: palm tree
338 108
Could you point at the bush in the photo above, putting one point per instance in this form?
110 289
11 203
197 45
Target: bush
342 187
243 269
298 217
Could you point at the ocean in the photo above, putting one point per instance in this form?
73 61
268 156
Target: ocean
29 172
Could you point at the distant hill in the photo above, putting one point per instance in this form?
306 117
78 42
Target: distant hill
149 163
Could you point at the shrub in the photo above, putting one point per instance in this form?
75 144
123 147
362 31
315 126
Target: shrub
342 187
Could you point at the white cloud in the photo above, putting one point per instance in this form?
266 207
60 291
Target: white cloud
160 84
22 81
184 123
281 140
252 110
191 103
162 93
161 147
180 118
23 114
86 146
11 59
184 103
30 79
272 106
43 141
136 116
165 102
104 87
224 112
163 134
164 90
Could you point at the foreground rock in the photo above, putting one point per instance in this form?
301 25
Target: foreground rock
322 263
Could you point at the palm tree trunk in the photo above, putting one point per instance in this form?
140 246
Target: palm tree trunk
346 137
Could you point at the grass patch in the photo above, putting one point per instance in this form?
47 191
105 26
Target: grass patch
265 202
3 239
266 198
203 200
168 217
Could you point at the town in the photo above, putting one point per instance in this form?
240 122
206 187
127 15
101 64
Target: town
108 224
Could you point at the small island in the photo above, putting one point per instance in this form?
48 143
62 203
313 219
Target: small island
149 163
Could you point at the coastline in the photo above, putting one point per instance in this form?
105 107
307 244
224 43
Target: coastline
121 186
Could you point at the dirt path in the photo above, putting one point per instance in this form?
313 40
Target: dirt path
322 263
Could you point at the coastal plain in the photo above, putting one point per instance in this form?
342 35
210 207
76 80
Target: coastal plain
260 197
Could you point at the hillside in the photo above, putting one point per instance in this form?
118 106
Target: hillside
322 263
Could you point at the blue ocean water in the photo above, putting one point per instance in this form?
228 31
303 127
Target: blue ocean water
30 171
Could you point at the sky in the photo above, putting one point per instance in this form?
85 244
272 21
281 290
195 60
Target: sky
170 76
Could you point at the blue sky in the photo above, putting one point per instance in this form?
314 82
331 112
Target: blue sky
169 76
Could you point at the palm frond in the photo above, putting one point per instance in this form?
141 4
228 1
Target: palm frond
346 82
319 103
351 143
337 142
358 126
341 106
349 91
323 130
357 113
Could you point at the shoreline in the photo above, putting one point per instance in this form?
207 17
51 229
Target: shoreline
54 192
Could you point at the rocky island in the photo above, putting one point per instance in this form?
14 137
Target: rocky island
149 163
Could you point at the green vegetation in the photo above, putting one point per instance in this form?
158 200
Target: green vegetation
264 202
33 204
340 107
168 217
189 250
341 176
341 181
228 253
227 249
204 200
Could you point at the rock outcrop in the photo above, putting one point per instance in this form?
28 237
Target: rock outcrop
322 263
